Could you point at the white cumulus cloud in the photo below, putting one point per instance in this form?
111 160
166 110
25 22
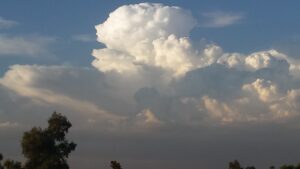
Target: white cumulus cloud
148 34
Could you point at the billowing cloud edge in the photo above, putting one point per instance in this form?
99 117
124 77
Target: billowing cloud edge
163 79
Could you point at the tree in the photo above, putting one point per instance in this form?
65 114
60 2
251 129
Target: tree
11 164
235 165
287 167
290 167
115 165
250 167
1 158
48 148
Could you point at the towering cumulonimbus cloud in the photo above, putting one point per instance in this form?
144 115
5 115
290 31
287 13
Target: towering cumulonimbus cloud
215 84
150 35
151 74
154 97
146 34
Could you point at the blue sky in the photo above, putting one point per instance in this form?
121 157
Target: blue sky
166 85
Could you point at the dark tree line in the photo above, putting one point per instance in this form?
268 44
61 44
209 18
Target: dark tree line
236 165
48 148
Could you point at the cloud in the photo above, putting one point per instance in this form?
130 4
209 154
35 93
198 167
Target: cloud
84 37
163 43
23 46
39 84
151 91
143 22
4 23
147 118
221 111
150 72
220 19
145 34
8 124
264 89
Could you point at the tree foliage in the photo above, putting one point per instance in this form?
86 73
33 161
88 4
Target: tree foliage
48 148
235 165
9 164
250 167
1 158
115 165
290 166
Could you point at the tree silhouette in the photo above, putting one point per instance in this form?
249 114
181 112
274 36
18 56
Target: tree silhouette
11 164
235 165
287 167
250 167
115 165
290 167
1 158
48 148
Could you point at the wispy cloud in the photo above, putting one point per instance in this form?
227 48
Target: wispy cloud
9 124
220 19
24 46
5 23
84 37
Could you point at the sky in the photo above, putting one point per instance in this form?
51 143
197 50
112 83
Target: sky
155 85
